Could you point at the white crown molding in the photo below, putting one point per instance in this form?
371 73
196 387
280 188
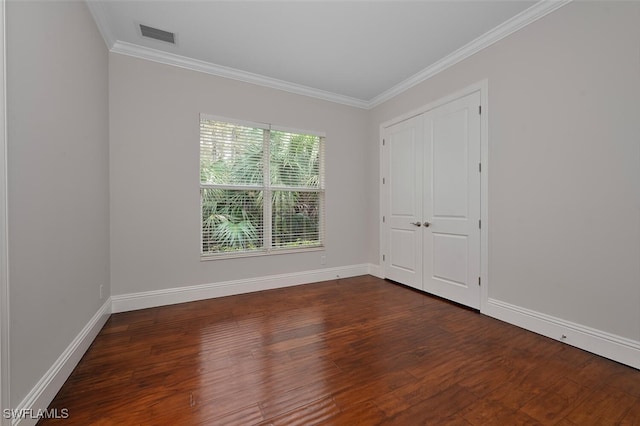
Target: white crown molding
50 383
535 12
154 55
532 14
96 7
617 348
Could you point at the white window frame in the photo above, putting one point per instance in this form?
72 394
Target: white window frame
267 189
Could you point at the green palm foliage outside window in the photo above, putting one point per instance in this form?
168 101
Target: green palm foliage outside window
261 189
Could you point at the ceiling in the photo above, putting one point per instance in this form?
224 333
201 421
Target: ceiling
358 53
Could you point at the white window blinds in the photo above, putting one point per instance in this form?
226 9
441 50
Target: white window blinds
261 189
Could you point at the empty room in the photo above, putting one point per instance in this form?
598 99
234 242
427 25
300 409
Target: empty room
320 212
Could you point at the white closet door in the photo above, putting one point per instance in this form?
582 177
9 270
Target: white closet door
451 201
432 189
403 151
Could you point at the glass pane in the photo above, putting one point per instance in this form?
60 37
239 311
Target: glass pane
295 160
231 220
230 154
296 219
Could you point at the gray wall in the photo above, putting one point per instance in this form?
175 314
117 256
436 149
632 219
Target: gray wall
57 94
154 160
564 163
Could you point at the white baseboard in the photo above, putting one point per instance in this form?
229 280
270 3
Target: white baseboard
48 386
617 348
170 296
375 270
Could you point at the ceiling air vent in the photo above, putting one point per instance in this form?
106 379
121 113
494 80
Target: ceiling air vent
157 34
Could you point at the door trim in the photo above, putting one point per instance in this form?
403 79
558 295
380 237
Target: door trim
482 87
4 227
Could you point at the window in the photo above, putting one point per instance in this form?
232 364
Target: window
261 188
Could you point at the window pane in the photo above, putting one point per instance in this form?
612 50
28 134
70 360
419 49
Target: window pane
295 160
230 154
296 219
231 220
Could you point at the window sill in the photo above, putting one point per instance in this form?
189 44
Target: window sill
222 256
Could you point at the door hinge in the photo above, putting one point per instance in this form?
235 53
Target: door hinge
383 181
480 109
382 142
479 281
479 167
479 224
383 219
383 257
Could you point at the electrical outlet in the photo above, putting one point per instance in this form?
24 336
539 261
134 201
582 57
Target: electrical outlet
101 289
323 260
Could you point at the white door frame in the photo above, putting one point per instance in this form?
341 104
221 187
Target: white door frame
4 244
483 88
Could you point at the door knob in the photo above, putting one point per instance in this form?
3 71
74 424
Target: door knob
427 224
416 223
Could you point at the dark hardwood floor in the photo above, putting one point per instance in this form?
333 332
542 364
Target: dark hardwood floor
352 351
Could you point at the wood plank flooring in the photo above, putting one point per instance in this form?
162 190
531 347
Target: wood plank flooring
358 351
